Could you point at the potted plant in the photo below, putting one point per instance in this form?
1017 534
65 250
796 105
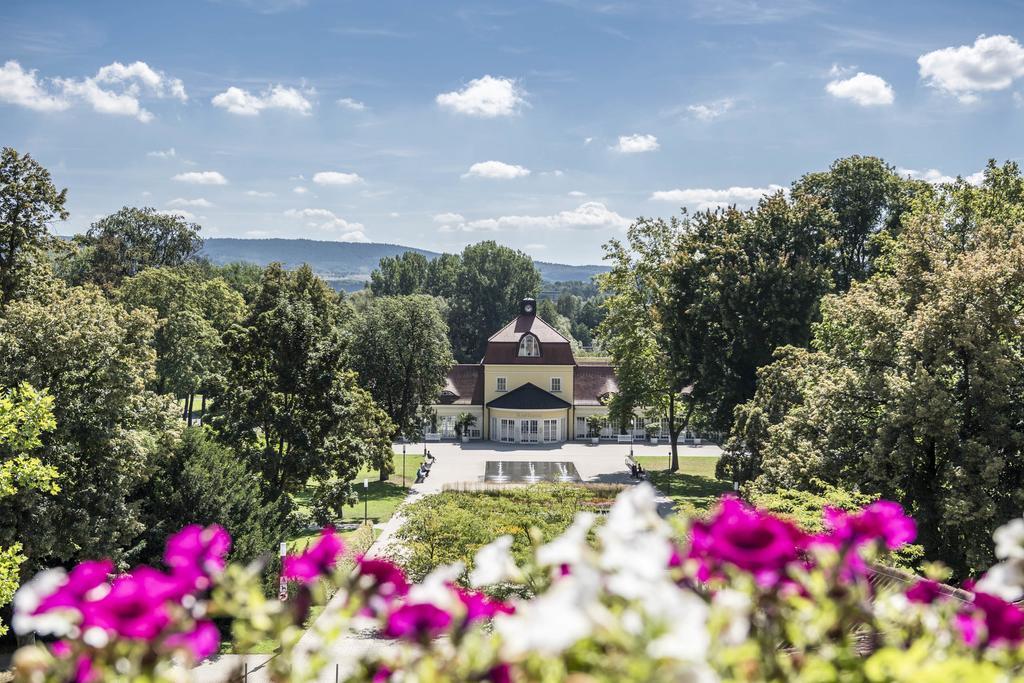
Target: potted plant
653 429
594 425
463 423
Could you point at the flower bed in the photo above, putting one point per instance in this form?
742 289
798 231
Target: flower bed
750 597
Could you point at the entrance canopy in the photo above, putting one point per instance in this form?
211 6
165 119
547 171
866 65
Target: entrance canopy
529 397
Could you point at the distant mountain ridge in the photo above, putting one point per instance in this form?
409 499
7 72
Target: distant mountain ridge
353 261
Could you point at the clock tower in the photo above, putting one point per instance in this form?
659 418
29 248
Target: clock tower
528 306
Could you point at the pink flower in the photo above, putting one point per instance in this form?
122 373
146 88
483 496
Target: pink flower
81 581
381 675
418 622
749 539
502 673
195 553
388 581
60 649
882 521
479 606
925 592
202 641
85 672
1003 621
316 561
134 607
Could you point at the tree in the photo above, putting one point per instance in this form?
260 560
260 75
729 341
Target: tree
401 351
25 414
864 197
290 406
399 275
634 333
126 242
203 482
492 281
915 388
95 358
29 202
442 276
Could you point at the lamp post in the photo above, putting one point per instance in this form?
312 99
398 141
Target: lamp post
403 466
282 589
366 493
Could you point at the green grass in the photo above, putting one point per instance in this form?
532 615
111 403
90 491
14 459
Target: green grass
693 486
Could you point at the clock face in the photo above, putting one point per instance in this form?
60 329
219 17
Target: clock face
528 308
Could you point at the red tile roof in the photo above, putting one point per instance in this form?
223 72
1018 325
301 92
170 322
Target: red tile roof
514 331
464 385
591 383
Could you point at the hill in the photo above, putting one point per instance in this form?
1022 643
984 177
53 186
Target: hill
348 262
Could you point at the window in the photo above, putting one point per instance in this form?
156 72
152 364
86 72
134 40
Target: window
556 384
501 384
529 346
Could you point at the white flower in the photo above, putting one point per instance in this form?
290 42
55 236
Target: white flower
27 599
635 547
1004 580
550 623
493 563
1009 540
570 546
735 605
436 587
685 615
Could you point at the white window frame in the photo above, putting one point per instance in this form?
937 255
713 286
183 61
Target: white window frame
531 349
556 384
501 384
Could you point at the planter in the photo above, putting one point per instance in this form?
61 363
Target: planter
654 441
465 439
594 440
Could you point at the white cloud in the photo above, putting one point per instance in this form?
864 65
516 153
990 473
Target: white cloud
577 193
299 189
708 111
496 170
486 97
937 177
449 218
587 216
258 193
351 104
201 178
187 215
200 202
706 198
535 247
129 82
867 90
633 144
336 178
991 63
242 102
22 88
587 141
327 221
169 153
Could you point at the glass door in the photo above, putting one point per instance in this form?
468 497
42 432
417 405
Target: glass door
508 431
528 431
551 431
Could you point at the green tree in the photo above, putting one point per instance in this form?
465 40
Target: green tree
399 275
915 388
127 242
401 351
633 331
95 358
290 405
203 482
492 281
25 414
29 202
442 276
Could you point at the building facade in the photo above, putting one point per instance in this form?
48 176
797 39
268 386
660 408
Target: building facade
528 387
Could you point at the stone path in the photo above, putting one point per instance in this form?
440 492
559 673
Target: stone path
454 464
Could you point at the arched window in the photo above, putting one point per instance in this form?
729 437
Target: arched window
529 346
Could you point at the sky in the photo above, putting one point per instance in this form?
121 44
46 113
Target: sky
546 125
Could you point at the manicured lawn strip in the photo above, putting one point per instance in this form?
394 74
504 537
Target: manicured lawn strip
693 486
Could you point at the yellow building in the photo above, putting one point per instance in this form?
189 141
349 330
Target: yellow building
528 388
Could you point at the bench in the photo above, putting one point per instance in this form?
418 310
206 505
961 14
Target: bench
432 436
625 438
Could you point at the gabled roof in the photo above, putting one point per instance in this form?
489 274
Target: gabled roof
514 331
464 385
503 346
592 384
528 397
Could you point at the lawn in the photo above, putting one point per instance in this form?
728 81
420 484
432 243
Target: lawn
382 498
693 486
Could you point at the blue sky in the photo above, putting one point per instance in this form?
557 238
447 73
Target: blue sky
544 125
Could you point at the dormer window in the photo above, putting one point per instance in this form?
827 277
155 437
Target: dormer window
529 347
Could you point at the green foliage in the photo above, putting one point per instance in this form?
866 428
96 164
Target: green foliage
492 280
401 351
127 242
914 389
29 202
200 481
463 423
451 526
95 358
290 406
